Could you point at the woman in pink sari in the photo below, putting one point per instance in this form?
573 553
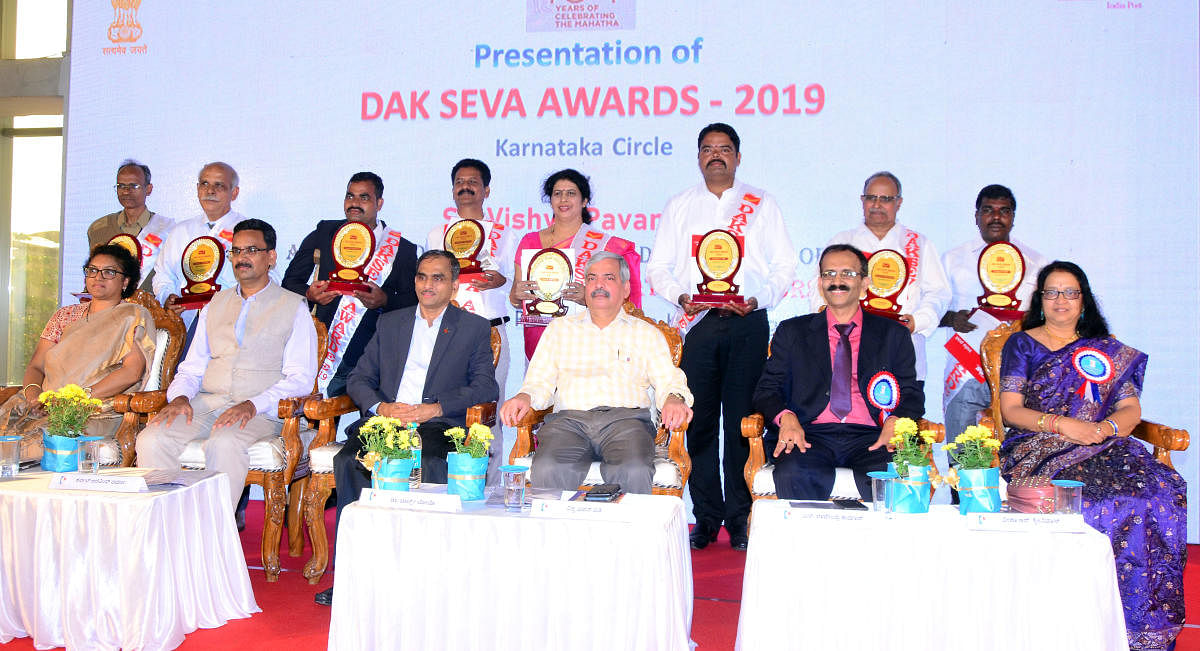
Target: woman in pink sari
569 193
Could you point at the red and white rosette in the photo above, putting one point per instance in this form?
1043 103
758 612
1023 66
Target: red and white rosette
884 392
1096 367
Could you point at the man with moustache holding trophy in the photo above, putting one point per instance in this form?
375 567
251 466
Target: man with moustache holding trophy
723 255
364 268
484 251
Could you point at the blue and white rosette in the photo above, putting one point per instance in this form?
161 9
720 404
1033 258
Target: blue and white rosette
1096 367
884 392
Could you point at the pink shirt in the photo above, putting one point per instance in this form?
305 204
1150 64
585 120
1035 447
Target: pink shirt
859 414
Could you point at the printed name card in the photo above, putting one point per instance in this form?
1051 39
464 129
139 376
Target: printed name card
583 510
412 500
77 481
828 515
1054 522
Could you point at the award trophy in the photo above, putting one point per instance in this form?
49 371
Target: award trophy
464 240
1001 270
130 243
551 269
887 274
202 262
353 245
718 254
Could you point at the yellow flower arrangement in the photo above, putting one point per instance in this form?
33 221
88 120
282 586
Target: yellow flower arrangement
974 448
386 438
474 442
68 409
912 447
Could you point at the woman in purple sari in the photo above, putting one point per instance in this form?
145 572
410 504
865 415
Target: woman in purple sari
1069 394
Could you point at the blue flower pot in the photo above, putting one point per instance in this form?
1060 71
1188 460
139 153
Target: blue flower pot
60 453
910 494
392 474
978 490
465 475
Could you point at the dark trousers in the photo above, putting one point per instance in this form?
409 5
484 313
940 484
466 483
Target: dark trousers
809 476
723 357
351 477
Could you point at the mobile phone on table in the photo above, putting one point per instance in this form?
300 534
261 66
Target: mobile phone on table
603 493
852 505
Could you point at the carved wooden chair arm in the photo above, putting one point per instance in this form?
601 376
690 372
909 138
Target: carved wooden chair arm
752 430
141 402
483 413
8 392
524 446
325 408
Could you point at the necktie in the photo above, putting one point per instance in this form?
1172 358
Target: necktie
839 393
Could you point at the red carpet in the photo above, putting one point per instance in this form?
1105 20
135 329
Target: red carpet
290 621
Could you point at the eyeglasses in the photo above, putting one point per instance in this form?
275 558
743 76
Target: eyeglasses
1069 294
250 250
844 273
881 198
988 211
724 150
218 186
107 274
127 186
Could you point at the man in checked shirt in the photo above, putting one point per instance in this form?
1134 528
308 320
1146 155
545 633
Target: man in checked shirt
602 370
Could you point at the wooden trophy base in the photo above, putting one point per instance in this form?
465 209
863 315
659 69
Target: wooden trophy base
195 301
347 288
716 300
1003 314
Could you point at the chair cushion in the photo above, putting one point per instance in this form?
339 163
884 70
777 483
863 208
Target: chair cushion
666 473
160 351
110 454
321 459
843 483
267 453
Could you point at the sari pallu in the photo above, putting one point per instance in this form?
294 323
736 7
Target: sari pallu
89 349
1140 504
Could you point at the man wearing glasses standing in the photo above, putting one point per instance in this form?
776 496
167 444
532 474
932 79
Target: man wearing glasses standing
819 384
965 393
927 292
134 218
255 344
725 346
216 188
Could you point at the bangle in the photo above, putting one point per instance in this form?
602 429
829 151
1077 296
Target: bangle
1116 430
1041 424
1054 424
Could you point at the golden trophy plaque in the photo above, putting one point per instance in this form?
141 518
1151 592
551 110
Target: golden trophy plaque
202 261
353 245
129 243
718 255
464 239
1001 270
887 274
551 269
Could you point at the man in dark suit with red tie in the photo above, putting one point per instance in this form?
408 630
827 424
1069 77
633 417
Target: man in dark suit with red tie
835 384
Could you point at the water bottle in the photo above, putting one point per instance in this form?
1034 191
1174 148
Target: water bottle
414 480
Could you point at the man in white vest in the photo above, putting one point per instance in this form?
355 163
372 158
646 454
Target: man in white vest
724 347
134 218
255 344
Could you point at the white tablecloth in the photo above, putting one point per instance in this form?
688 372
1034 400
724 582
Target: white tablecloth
489 580
925 582
101 570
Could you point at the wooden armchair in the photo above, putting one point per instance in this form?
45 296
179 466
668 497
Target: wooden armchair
317 486
275 462
672 465
1164 439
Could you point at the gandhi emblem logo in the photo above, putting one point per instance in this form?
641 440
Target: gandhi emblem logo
125 27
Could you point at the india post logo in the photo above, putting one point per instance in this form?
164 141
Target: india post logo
579 15
125 27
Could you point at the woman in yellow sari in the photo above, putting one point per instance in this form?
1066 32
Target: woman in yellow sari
105 345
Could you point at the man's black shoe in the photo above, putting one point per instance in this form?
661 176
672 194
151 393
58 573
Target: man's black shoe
738 538
324 597
703 534
239 518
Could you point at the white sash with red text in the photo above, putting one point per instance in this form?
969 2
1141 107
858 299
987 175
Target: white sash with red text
963 362
738 224
151 238
351 310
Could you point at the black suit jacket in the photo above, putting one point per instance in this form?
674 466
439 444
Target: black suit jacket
798 374
399 285
460 369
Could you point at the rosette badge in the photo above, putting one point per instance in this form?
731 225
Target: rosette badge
202 261
887 275
718 256
353 246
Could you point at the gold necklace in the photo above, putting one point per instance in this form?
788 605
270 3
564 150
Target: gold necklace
1059 342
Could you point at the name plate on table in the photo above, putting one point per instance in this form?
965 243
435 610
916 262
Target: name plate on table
201 263
353 245
887 274
1054 522
76 481
825 511
583 510
1001 270
412 500
718 255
